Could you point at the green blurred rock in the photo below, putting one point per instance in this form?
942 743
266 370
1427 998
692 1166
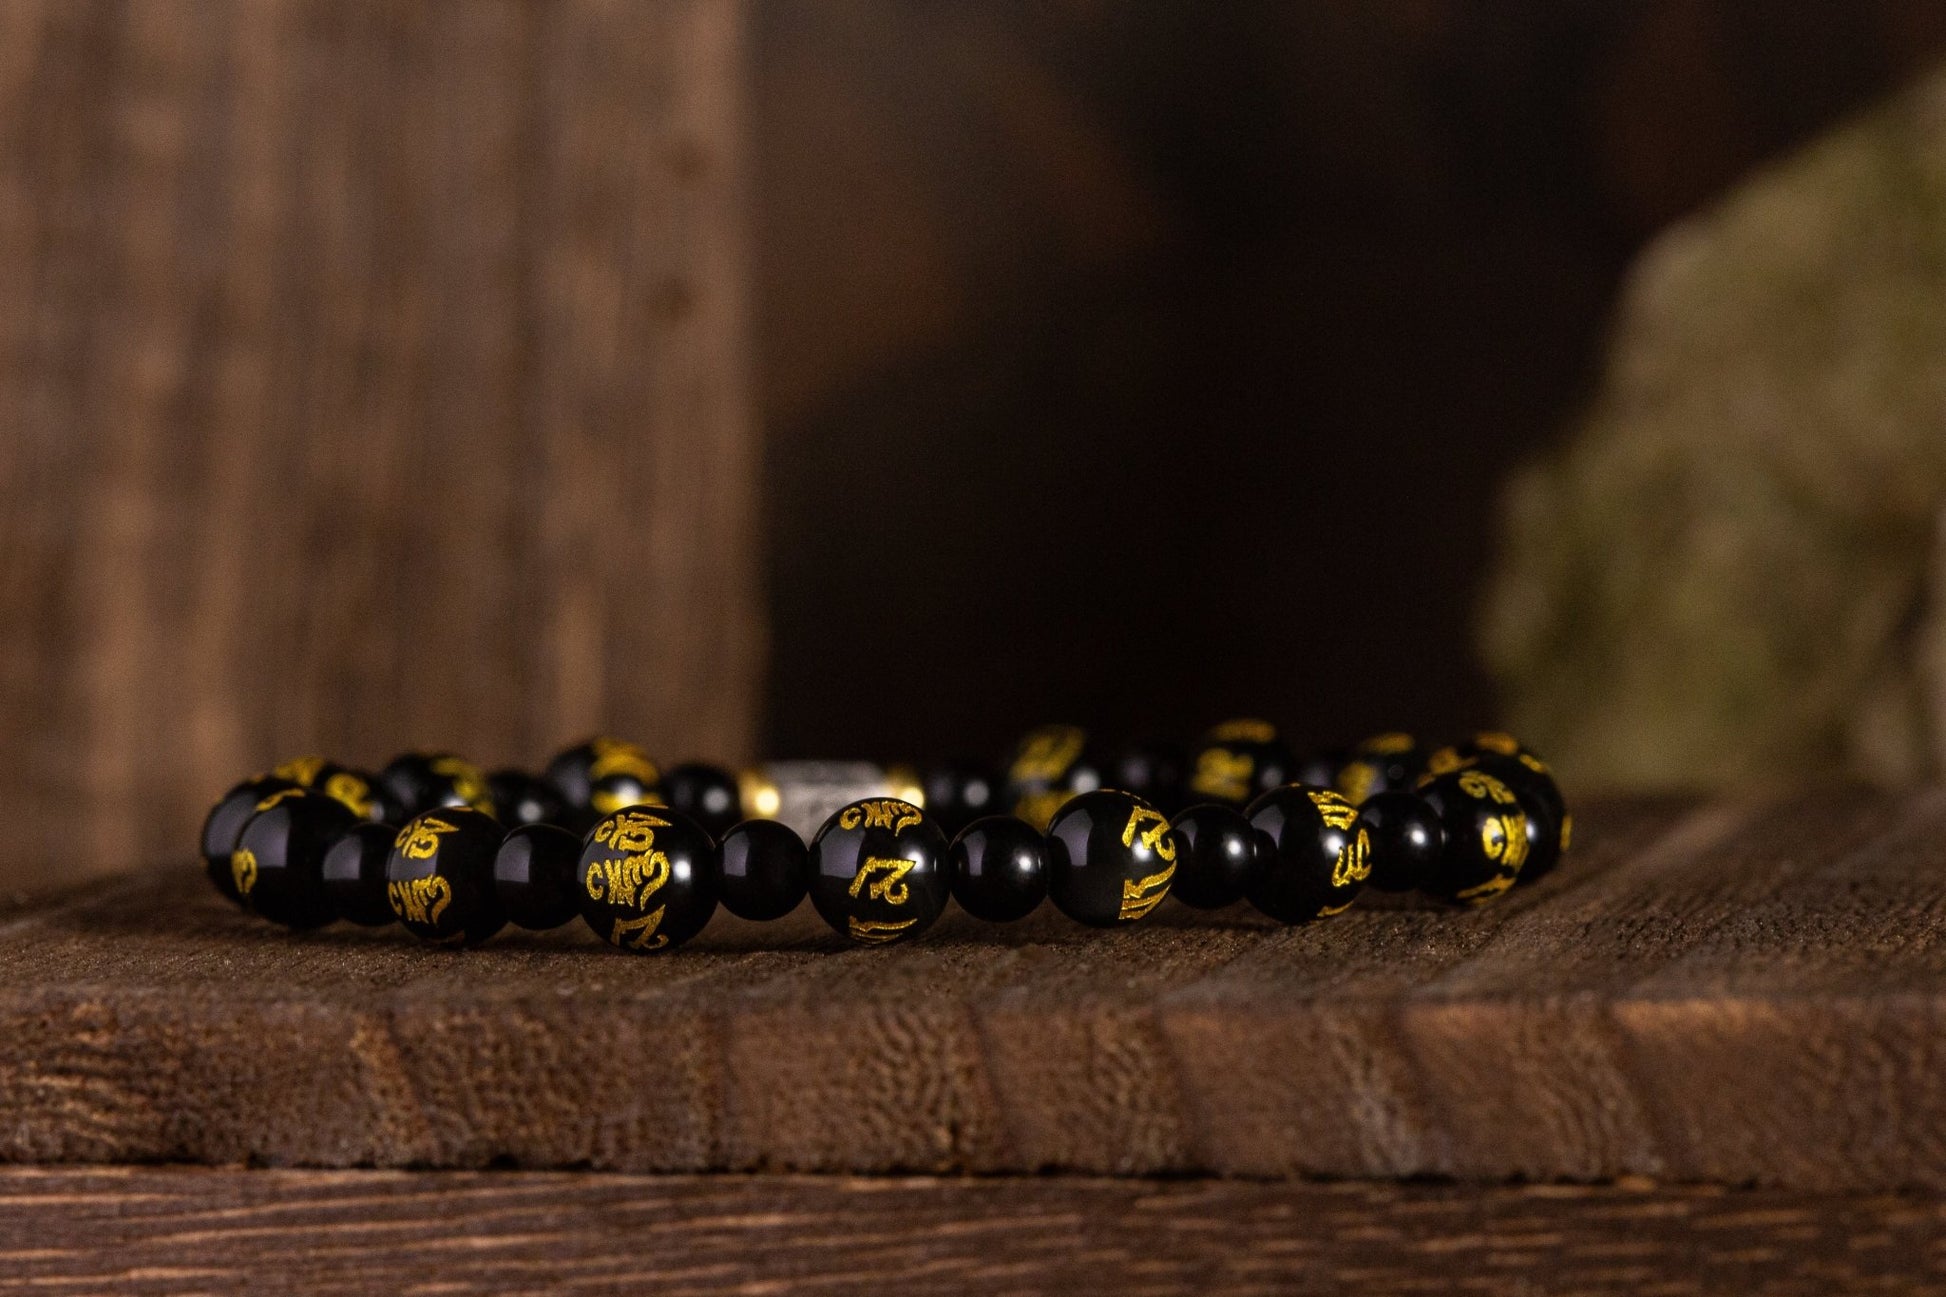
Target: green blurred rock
1735 570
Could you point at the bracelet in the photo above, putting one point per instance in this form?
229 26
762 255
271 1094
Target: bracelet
644 856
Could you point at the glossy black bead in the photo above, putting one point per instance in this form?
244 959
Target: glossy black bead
617 791
877 871
1238 760
1216 856
573 772
1320 769
439 877
766 870
999 868
1406 839
1052 764
224 824
959 792
1384 763
354 875
418 782
648 878
1486 836
706 794
360 790
520 798
1110 858
278 864
1312 858
537 876
1549 825
1158 773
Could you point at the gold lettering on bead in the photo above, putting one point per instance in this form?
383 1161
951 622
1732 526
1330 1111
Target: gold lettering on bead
282 794
1495 741
890 888
468 782
1354 863
883 813
1567 831
640 934
1385 745
1356 780
618 757
300 770
351 791
243 870
1143 895
1330 910
876 932
1486 891
1504 838
1481 786
1155 837
419 900
1444 762
1333 809
1248 730
630 881
1047 753
419 840
632 832
1223 774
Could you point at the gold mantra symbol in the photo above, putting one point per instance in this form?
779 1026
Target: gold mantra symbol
1354 863
243 870
1222 773
300 770
1444 761
618 757
1495 741
1385 745
419 900
1047 753
1504 838
281 794
1486 891
1244 731
630 881
887 813
1356 779
351 791
468 782
1335 811
1481 786
631 832
419 840
875 932
640 934
1138 898
891 888
1156 837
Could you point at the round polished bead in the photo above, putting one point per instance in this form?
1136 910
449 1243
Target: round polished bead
1238 760
361 791
877 871
278 864
1486 836
520 798
959 792
573 772
1052 764
224 824
1320 769
1549 825
1312 857
999 868
439 877
648 878
618 791
423 781
1110 858
1155 772
1406 840
1384 763
1217 856
354 875
706 794
765 870
537 876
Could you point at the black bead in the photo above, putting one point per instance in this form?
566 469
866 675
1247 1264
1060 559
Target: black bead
354 875
574 771
418 782
1312 858
1217 856
1052 764
1384 763
520 798
439 877
960 792
278 864
1110 858
999 869
706 794
1486 836
877 871
1320 769
537 876
1238 760
648 878
1406 840
616 791
1549 825
224 824
361 791
1158 773
766 870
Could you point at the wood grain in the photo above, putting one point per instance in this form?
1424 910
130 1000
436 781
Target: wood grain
1733 993
372 376
177 1230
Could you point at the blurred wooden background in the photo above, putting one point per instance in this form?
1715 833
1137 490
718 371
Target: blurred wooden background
373 375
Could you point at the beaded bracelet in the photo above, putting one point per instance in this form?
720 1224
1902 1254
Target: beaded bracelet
645 857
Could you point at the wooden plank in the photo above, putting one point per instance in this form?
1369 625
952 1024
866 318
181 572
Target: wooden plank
372 376
179 1230
1739 993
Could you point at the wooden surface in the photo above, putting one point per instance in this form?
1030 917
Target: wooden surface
371 375
1732 994
172 1230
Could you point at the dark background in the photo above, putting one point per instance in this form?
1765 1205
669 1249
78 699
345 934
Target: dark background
1141 364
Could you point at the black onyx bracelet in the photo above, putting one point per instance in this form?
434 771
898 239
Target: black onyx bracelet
645 856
